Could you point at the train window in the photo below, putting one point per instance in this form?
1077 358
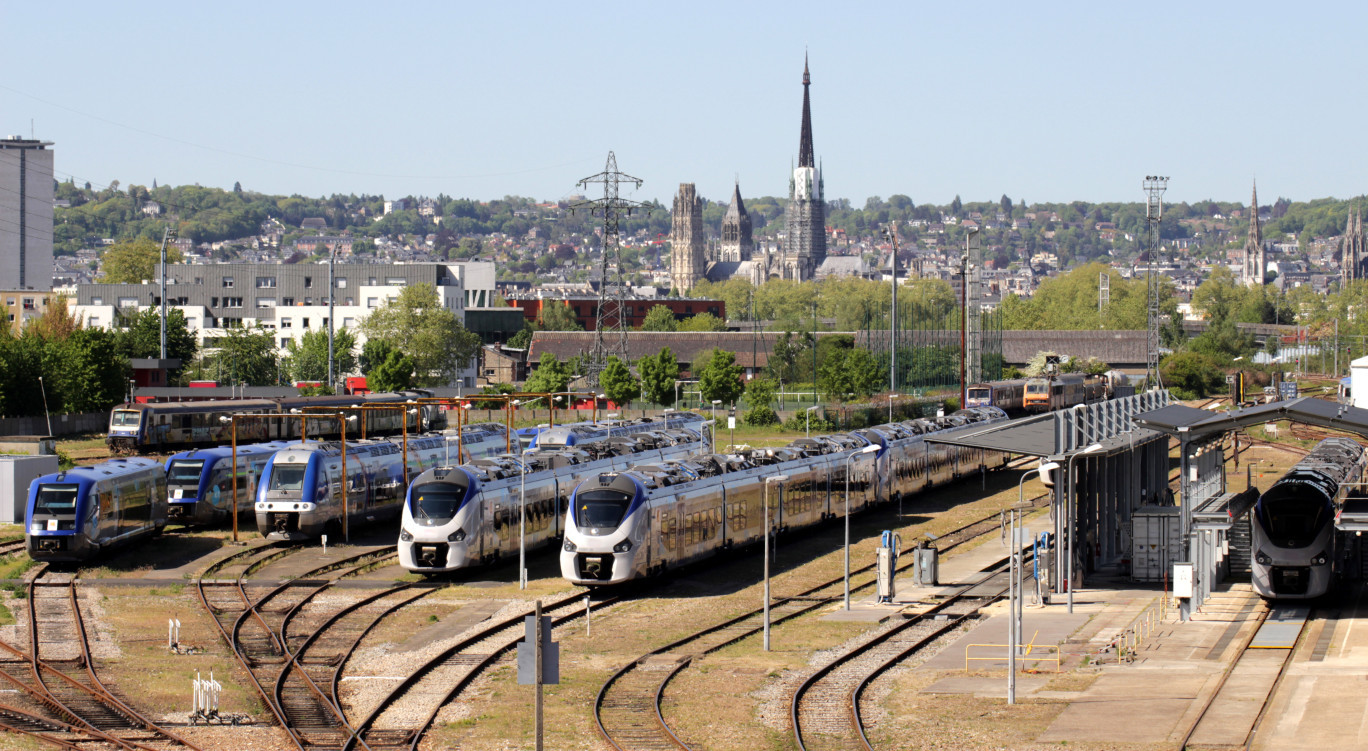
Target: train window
56 499
125 418
185 470
288 477
438 500
601 509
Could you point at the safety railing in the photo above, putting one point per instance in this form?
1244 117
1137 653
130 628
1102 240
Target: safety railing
1133 637
1027 659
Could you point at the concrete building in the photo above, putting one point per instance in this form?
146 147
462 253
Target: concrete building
22 306
26 195
289 299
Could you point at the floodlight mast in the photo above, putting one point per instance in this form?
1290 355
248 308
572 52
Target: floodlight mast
1154 212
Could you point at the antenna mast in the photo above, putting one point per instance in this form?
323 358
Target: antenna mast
1154 212
610 326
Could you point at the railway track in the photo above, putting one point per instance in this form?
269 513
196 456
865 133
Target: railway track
825 712
12 547
439 680
300 693
59 697
1218 723
627 710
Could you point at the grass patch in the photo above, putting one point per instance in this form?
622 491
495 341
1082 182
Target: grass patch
6 616
15 567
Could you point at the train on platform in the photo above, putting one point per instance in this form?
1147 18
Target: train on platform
1294 540
199 482
300 492
469 515
158 427
638 523
78 513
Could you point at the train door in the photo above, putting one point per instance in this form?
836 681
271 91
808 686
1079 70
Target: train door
667 526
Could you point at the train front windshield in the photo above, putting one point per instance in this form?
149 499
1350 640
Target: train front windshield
1293 522
600 510
56 499
288 477
185 471
437 500
124 418
980 394
1037 388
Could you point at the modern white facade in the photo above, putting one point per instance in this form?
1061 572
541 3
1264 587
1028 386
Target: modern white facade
26 194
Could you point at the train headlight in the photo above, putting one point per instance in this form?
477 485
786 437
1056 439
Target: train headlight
623 546
1321 559
569 547
405 535
457 536
1262 558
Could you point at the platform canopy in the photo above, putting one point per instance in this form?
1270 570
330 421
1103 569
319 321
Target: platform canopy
1194 424
1038 435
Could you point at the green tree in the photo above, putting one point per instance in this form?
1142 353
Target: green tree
760 400
1192 375
395 373
851 371
135 261
307 359
658 374
417 325
522 339
703 322
373 353
659 318
618 382
556 316
242 356
141 336
551 376
91 376
720 379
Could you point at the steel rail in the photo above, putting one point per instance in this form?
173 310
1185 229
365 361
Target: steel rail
1220 684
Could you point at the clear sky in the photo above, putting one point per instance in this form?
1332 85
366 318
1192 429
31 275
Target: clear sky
1043 101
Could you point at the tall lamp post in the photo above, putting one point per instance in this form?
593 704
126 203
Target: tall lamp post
522 519
332 292
1069 518
715 402
964 312
808 418
769 481
1014 578
870 449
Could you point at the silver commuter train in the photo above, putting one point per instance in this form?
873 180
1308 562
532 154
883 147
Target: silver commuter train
75 514
299 495
1293 523
634 524
584 432
199 482
457 517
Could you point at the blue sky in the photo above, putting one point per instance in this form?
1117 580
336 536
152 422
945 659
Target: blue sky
1042 101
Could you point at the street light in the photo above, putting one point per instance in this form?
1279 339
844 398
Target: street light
1069 517
871 448
715 402
596 398
522 520
667 412
808 418
768 481
1014 578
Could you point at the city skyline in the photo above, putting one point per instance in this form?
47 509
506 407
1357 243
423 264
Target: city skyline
1057 103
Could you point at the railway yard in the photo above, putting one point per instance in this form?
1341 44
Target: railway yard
340 648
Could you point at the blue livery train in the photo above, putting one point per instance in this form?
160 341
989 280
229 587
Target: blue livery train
199 482
77 513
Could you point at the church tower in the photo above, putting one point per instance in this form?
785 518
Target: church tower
737 241
805 218
688 245
1255 263
1352 257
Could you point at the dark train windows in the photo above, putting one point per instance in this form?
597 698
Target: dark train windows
56 499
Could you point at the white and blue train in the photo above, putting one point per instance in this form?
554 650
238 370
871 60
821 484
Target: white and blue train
78 513
457 517
299 495
578 433
637 523
1294 538
199 482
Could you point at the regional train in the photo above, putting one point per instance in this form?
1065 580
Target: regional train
631 524
1050 393
582 432
1005 395
78 513
199 482
457 517
299 495
172 426
1294 538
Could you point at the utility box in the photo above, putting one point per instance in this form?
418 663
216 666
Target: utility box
1156 542
887 564
927 560
16 474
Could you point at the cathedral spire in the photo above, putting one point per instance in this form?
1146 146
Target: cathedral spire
1255 261
1255 231
805 158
